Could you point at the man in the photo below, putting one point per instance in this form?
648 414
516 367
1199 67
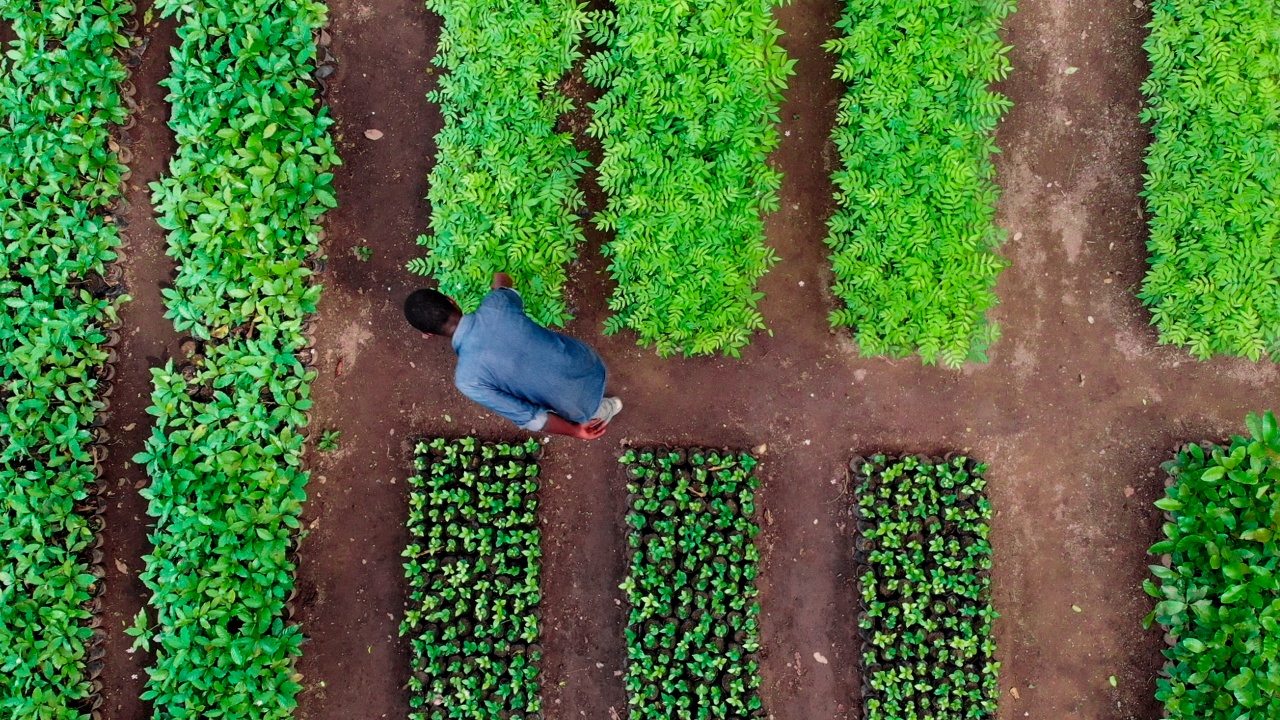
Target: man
538 379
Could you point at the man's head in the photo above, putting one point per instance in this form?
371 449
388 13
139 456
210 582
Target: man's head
432 313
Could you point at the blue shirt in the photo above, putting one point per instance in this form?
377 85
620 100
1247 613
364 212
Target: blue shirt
521 370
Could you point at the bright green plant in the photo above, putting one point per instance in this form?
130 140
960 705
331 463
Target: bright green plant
692 91
692 626
1217 591
329 440
59 181
913 239
241 202
504 195
473 565
1213 175
924 563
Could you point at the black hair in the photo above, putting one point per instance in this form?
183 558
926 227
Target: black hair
429 311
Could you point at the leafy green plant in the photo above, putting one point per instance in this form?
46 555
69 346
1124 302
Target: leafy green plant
473 565
242 203
1212 178
692 628
687 120
504 193
924 579
913 239
60 178
1216 585
329 440
364 253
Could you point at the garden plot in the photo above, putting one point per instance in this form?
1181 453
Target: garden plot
473 569
692 631
1219 601
60 186
924 576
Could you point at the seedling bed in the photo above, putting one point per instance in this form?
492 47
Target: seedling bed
473 568
1216 584
692 628
924 581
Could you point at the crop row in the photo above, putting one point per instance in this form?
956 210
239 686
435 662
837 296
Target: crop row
60 177
473 567
1212 175
693 621
924 577
241 204
1218 596
687 121
913 239
504 194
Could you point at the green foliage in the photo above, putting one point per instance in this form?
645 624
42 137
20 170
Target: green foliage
329 440
1218 595
504 193
242 202
59 180
913 240
692 628
473 567
924 577
687 121
1213 180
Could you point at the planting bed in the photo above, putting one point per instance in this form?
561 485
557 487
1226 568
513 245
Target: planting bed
473 567
61 175
693 620
1218 595
925 580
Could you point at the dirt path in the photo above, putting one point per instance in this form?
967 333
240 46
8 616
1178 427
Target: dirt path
1074 413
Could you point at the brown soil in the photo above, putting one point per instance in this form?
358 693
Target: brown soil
1074 413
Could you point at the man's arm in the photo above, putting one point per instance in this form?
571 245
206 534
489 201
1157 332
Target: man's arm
528 416
502 280
557 425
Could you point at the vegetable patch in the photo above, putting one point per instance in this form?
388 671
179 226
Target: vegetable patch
242 203
1213 175
924 565
61 100
692 627
913 239
687 120
473 567
1216 585
504 194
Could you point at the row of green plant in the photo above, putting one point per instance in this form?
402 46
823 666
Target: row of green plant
504 192
692 626
1218 596
924 577
241 203
473 564
1212 179
687 121
913 238
60 78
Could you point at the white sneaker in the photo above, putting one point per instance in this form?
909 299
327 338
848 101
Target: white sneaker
609 407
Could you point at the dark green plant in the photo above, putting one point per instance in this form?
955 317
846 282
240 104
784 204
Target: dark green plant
913 240
242 203
926 622
504 195
329 440
1217 591
60 179
692 628
687 121
1212 175
473 565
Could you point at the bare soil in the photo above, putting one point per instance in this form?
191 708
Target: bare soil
1074 413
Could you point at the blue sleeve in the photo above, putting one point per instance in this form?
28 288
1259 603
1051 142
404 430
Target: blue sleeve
503 299
527 415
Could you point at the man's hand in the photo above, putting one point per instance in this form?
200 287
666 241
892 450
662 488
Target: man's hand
502 280
557 425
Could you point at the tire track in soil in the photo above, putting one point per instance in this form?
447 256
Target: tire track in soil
147 340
